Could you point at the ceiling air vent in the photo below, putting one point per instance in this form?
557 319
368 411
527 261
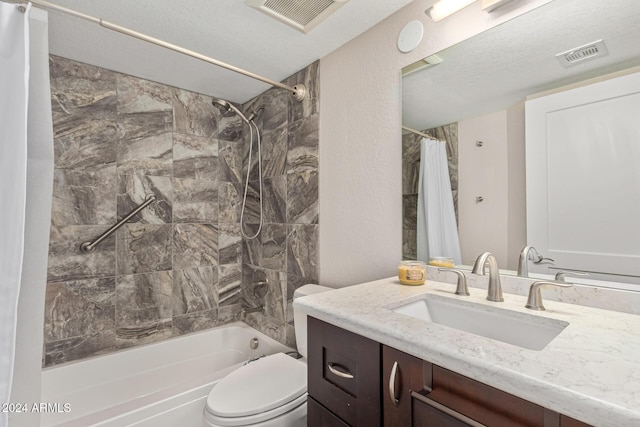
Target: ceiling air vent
583 53
303 15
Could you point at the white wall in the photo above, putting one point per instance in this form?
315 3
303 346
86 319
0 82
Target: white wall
496 172
483 172
517 192
360 139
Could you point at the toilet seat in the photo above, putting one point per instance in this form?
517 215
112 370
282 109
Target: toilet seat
259 391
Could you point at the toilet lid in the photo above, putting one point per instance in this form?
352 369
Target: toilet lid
260 386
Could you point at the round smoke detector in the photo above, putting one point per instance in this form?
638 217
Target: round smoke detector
410 36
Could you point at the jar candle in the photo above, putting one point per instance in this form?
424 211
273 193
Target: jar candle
412 272
441 261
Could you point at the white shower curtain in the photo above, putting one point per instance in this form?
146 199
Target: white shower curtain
14 96
26 158
437 228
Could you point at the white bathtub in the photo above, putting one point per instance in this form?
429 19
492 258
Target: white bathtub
160 385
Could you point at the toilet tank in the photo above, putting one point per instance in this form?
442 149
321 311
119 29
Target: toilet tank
300 319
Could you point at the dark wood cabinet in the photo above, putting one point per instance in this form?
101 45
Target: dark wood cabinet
354 381
570 422
424 415
401 375
319 416
484 404
344 374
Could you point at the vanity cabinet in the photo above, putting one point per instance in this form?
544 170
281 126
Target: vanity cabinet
344 375
393 389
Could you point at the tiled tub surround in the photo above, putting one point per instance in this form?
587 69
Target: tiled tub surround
591 371
411 175
177 267
284 256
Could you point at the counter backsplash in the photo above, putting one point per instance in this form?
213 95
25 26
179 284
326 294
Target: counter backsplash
587 295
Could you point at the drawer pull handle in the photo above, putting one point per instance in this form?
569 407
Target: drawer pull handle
392 384
339 370
440 407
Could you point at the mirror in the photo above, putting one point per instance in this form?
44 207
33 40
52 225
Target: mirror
489 76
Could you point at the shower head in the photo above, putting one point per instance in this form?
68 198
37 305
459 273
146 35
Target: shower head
225 106
221 105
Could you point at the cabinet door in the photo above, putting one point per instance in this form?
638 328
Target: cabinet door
319 416
344 373
401 374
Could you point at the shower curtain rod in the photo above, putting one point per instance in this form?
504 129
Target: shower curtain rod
298 91
408 129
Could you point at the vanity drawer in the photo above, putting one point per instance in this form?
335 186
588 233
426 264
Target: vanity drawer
427 416
485 404
344 373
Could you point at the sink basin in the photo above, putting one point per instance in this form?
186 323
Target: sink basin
512 327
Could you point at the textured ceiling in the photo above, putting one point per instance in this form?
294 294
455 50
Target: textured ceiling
227 30
498 68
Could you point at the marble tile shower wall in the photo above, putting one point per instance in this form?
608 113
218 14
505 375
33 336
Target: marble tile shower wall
284 256
411 174
177 266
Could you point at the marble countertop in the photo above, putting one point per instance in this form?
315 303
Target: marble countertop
590 372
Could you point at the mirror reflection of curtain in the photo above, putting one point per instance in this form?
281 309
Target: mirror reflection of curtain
437 228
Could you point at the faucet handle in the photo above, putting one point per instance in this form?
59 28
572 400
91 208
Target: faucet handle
461 288
534 301
560 274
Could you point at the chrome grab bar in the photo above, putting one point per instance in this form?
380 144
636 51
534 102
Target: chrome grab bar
88 247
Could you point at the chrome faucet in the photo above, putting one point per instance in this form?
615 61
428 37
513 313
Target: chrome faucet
494 292
529 253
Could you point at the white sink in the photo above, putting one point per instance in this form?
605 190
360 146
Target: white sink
512 327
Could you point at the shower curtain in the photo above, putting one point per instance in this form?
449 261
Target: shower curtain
26 160
437 228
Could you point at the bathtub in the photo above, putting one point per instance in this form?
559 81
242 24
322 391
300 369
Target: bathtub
161 385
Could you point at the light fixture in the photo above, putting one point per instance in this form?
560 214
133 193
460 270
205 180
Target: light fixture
427 62
444 8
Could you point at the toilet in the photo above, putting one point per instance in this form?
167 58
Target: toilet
268 392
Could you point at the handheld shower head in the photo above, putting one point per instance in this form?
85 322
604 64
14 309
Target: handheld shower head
225 106
221 105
